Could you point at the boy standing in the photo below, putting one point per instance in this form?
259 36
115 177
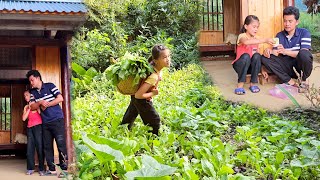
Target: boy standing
293 51
47 97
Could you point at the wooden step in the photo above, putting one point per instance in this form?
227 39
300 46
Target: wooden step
261 80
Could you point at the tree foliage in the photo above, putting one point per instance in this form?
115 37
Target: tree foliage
115 27
313 6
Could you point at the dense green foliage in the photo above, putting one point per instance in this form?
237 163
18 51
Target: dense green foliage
126 25
201 135
129 65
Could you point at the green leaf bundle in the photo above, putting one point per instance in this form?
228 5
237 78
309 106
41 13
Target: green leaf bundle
129 70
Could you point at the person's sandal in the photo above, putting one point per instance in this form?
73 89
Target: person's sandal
254 89
49 173
239 91
29 172
303 87
63 174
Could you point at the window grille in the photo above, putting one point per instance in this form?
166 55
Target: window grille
5 113
212 18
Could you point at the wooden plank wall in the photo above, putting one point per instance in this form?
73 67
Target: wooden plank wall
4 137
231 10
269 13
48 64
18 102
210 37
18 126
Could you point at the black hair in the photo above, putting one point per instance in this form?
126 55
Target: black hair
291 10
34 73
155 52
247 21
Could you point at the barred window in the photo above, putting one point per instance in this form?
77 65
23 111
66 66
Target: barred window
212 18
5 113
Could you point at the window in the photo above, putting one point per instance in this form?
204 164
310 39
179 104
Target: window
212 18
5 113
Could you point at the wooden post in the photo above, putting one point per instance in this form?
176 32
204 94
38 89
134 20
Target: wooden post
65 73
287 3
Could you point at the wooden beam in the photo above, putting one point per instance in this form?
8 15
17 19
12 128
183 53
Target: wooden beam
27 41
30 26
65 74
42 17
287 3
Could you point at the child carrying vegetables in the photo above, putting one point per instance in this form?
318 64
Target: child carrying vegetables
141 101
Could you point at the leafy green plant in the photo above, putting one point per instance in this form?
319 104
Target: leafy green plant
129 65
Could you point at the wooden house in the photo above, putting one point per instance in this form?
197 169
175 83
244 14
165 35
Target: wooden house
34 35
222 20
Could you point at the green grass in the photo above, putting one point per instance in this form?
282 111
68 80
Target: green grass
313 25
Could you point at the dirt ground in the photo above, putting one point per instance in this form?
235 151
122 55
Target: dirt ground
14 169
225 78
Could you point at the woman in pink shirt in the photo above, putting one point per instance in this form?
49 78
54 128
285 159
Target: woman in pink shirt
34 132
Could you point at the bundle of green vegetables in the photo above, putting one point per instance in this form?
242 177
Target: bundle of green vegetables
128 72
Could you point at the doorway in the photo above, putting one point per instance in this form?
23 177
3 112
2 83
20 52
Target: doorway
12 128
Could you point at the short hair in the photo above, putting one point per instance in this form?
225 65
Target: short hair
291 10
34 73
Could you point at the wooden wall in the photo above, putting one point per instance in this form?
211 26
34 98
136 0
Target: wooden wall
18 126
48 64
18 102
4 137
269 13
210 37
231 10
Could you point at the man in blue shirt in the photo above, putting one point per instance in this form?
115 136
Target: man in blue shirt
293 51
47 97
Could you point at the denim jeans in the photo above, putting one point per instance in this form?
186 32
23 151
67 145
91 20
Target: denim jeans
35 143
55 130
246 65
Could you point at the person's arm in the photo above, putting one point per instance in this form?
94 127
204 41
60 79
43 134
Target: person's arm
26 111
245 41
54 102
282 50
143 93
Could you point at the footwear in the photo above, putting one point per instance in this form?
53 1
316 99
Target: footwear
294 85
303 87
254 89
41 173
63 174
29 172
49 173
239 91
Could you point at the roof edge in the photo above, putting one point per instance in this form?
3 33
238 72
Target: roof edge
72 1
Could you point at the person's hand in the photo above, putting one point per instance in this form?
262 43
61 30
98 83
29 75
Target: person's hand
264 72
43 107
267 53
270 41
155 91
281 49
44 103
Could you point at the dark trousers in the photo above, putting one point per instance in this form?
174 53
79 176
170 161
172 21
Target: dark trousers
146 111
55 130
246 65
282 66
35 143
